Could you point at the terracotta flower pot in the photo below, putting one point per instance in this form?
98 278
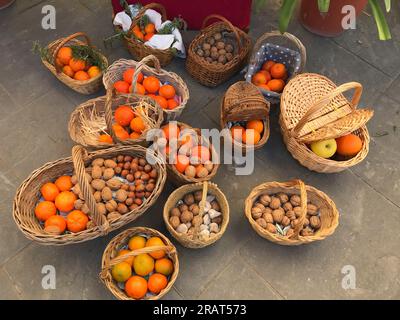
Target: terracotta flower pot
327 24
5 3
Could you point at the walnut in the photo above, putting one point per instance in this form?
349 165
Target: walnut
96 172
114 184
97 196
297 211
315 222
186 216
121 195
268 217
113 216
275 203
289 233
106 194
108 173
111 206
291 215
294 223
98 184
265 199
312 210
295 200
110 163
283 197
285 221
256 213
98 162
271 228
174 221
278 215
101 208
287 206
175 212
262 223
268 210
306 222
306 232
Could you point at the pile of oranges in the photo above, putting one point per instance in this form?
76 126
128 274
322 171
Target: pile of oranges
144 273
56 210
164 94
271 77
129 125
75 68
249 133
145 33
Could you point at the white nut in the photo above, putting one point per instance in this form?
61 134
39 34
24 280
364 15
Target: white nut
182 228
188 225
214 227
207 207
210 198
203 227
214 213
204 234
206 219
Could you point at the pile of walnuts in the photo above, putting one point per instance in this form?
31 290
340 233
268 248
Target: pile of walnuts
119 185
279 214
216 50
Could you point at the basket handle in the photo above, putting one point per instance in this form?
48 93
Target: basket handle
202 206
154 6
140 66
78 154
227 22
291 37
65 41
303 205
108 114
326 100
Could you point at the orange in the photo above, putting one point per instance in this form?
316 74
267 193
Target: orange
151 84
134 135
257 125
64 183
64 55
143 264
201 154
167 91
138 34
49 191
122 134
264 86
121 86
171 131
65 201
59 64
123 115
136 287
44 210
128 76
136 242
55 224
164 266
172 104
93 71
276 85
68 71
137 125
161 101
182 162
139 89
136 28
81 76
77 64
349 145
267 65
151 95
156 241
148 36
77 221
105 138
278 70
150 28
128 260
237 132
157 282
266 74
259 78
121 271
251 137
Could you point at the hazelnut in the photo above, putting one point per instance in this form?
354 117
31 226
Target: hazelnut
315 222
229 48
174 221
206 46
189 199
198 195
221 52
210 40
215 205
218 36
265 199
120 158
129 201
271 228
214 55
220 45
262 223
283 197
295 200
312 210
186 216
275 203
278 215
153 174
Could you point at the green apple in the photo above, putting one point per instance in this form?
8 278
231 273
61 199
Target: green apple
324 148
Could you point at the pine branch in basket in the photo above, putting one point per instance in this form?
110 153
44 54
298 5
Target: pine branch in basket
177 23
43 52
87 53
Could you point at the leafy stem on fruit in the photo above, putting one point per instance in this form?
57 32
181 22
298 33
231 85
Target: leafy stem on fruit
44 53
118 36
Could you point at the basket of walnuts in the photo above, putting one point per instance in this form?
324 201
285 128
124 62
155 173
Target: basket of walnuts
291 213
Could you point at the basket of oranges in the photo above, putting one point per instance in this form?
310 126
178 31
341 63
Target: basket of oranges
88 195
323 130
190 157
114 119
272 66
245 112
77 64
139 264
166 88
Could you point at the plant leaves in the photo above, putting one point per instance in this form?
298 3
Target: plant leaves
388 5
383 28
323 5
279 229
285 14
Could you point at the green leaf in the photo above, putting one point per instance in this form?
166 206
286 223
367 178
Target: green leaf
323 5
383 28
388 5
285 14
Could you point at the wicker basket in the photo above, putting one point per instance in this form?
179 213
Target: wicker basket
116 70
313 109
208 188
264 49
138 49
212 75
95 117
85 87
328 213
120 241
28 194
244 102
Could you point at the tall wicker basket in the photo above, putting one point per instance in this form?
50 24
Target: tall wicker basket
313 109
119 242
212 75
244 102
28 195
328 212
85 87
116 70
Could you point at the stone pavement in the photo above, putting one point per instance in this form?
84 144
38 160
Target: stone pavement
35 109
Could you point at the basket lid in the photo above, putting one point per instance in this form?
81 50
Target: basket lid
243 101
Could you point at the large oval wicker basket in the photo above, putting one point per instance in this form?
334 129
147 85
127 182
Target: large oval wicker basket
85 87
244 102
120 242
115 71
95 117
28 195
209 74
314 109
196 242
329 215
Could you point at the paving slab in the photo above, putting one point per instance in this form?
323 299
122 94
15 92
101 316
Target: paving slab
7 289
